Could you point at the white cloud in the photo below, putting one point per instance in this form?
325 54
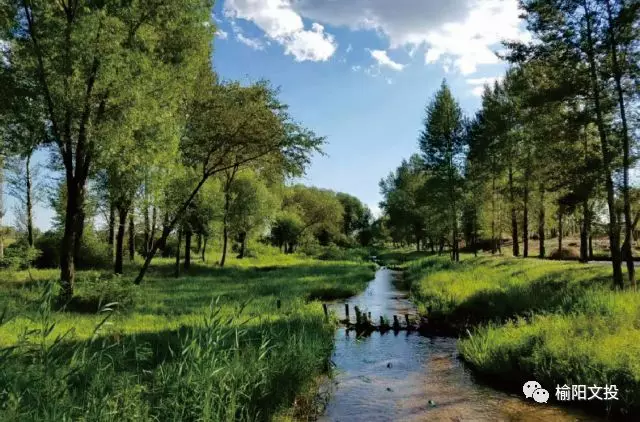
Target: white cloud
465 32
383 59
282 24
356 68
254 43
479 84
222 34
349 49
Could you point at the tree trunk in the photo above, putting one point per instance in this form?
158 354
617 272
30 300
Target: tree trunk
177 266
541 223
29 202
198 242
168 227
493 215
525 220
147 228
243 244
187 249
112 228
614 236
204 248
590 247
132 237
514 220
79 226
122 224
154 216
74 216
584 232
225 240
617 77
560 231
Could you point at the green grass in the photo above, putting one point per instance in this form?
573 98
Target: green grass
211 345
555 322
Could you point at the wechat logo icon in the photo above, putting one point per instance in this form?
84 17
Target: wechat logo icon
533 389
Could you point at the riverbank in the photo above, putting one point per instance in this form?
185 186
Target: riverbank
555 322
246 342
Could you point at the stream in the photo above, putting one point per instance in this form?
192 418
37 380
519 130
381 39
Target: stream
408 377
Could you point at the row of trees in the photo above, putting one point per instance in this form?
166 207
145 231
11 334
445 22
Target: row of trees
553 140
124 96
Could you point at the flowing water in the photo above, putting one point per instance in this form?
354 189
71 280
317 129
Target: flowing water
408 377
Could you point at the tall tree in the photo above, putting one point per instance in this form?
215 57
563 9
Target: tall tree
95 63
231 126
442 146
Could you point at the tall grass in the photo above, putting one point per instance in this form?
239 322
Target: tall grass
557 323
211 346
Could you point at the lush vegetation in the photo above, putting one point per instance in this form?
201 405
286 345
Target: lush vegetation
548 153
210 345
555 322
158 172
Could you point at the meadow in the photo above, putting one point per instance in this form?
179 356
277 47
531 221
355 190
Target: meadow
552 321
245 342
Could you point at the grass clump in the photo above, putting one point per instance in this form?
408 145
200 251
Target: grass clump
555 322
211 345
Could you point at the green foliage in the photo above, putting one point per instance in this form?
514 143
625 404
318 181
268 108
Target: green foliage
209 346
251 206
94 251
555 322
19 256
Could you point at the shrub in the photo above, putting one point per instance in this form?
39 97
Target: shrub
94 252
567 253
94 292
19 256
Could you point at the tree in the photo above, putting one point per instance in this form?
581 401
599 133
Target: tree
569 33
442 146
24 184
96 62
356 215
316 209
231 126
250 208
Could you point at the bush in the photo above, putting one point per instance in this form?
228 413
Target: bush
19 256
567 253
94 292
94 252
49 246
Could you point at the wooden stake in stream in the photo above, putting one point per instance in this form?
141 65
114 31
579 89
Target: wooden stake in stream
396 323
406 318
326 311
346 311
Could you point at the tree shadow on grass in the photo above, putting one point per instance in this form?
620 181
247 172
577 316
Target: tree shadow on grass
290 351
555 292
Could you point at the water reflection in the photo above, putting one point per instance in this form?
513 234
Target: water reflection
407 377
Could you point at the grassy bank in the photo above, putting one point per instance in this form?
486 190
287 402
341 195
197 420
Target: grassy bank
210 345
555 322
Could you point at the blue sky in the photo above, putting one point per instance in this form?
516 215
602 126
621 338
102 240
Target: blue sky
359 72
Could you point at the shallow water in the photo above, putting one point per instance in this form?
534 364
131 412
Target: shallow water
408 377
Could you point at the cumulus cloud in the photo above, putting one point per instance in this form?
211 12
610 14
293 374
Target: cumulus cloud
282 24
220 34
254 43
383 59
464 32
479 83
